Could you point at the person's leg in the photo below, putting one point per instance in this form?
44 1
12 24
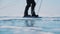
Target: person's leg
27 8
33 7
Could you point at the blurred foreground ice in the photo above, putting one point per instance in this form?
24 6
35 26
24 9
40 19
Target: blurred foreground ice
22 30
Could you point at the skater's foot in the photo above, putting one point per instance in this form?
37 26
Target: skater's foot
35 16
27 15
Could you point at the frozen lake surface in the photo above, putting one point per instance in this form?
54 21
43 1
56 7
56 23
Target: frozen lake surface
45 25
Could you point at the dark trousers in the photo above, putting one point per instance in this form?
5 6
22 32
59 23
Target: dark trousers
30 3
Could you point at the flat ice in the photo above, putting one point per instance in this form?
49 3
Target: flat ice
23 30
18 26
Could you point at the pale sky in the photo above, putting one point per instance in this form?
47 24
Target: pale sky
49 8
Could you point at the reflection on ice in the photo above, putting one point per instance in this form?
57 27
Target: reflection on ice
30 26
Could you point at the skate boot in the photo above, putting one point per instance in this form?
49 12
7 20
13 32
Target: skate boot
35 16
27 15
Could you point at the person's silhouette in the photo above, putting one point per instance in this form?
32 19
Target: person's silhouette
30 3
